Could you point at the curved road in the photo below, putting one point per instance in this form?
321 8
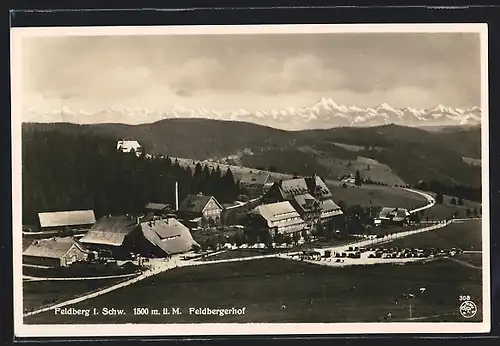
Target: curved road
430 200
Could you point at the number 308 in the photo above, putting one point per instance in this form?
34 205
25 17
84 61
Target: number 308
463 297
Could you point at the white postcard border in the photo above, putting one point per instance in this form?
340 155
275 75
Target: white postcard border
26 330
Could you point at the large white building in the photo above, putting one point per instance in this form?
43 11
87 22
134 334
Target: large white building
280 217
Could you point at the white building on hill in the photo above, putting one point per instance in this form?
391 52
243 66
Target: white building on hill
128 146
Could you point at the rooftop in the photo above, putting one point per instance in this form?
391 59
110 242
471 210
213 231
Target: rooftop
52 248
66 218
110 230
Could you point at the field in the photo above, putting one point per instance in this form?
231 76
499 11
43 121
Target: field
37 294
309 293
446 210
381 196
464 235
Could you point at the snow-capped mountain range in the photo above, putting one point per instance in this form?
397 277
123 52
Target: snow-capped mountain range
325 113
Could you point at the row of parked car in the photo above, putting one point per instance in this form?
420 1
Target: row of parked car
411 252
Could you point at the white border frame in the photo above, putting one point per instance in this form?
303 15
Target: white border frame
24 330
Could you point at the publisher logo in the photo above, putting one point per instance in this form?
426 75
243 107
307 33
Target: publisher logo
468 309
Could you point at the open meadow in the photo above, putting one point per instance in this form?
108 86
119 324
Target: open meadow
379 195
284 291
465 235
37 294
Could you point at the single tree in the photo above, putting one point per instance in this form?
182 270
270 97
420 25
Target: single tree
357 180
439 198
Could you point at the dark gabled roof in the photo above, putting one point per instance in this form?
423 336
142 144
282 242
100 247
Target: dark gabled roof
293 187
66 218
317 187
168 234
394 214
156 206
53 247
329 208
305 201
110 230
196 203
255 178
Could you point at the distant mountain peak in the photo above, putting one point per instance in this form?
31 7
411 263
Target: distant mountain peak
325 113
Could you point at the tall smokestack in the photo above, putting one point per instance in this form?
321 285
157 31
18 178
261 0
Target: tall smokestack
176 196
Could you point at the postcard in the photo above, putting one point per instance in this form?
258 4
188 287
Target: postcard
250 180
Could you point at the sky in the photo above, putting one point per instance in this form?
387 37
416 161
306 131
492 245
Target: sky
251 72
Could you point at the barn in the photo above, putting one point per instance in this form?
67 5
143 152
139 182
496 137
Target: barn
254 183
157 208
122 236
390 215
55 252
169 235
64 220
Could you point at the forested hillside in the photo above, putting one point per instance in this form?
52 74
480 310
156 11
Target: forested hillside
413 154
71 171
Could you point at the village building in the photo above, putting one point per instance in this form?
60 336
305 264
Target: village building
199 209
389 215
55 252
157 209
329 210
277 218
123 236
66 220
255 184
310 197
318 188
129 146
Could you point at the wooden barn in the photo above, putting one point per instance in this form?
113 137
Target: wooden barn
254 184
157 209
55 252
124 236
66 220
390 215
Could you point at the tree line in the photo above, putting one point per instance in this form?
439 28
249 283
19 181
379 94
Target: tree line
74 171
459 191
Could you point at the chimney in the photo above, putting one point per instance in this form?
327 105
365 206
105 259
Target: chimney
176 196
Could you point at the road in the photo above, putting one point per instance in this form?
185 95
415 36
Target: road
76 278
430 200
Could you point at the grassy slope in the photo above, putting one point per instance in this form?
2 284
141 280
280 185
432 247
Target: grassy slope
446 210
37 294
311 293
370 169
381 196
466 235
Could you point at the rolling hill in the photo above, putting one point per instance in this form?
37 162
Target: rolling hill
406 154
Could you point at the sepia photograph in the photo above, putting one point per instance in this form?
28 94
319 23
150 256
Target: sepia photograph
262 179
